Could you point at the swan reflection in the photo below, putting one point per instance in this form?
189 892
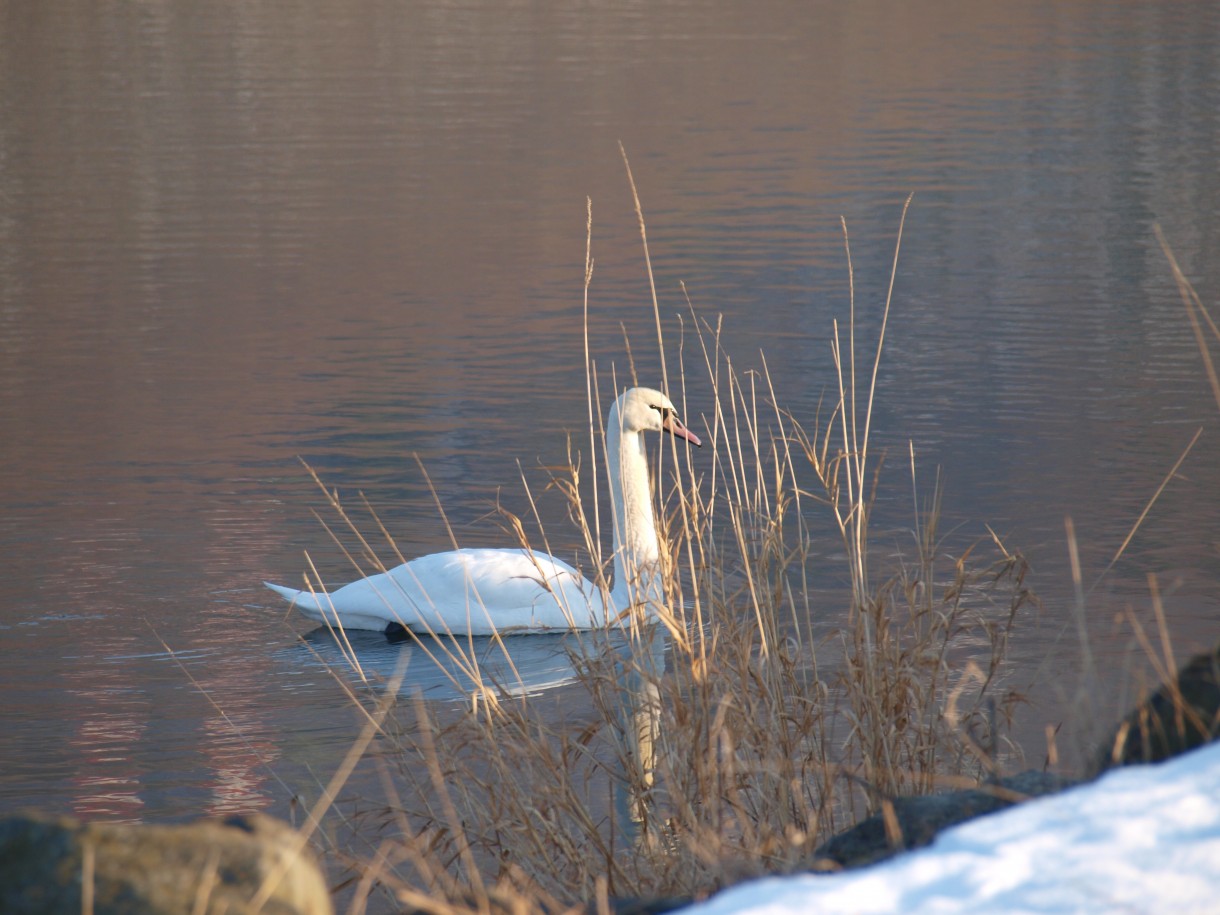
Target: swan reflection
620 670
453 668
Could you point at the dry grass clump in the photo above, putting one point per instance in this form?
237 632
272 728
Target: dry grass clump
741 730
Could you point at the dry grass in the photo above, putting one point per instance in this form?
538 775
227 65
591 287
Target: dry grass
743 729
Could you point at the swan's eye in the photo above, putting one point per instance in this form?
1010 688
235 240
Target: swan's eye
664 411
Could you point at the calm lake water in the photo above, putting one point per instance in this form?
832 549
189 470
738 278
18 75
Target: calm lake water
234 234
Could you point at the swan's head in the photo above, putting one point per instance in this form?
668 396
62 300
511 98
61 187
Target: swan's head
646 410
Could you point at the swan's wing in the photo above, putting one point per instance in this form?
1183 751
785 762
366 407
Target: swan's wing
471 591
479 591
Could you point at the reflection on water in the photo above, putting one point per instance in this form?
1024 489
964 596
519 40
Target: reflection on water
239 762
639 733
452 669
118 771
106 784
234 235
472 670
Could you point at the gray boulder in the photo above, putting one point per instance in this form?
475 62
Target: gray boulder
52 866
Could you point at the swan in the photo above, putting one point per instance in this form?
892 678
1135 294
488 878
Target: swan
487 591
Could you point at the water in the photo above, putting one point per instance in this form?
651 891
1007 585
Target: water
235 235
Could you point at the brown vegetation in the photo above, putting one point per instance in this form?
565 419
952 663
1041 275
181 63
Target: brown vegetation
726 738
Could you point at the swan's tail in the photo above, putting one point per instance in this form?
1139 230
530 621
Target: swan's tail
307 602
334 610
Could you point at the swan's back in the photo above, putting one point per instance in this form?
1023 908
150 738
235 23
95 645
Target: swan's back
470 591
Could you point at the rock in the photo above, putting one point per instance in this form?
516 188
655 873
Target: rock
1177 717
211 866
646 906
921 819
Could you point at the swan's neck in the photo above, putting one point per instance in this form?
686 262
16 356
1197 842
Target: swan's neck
637 554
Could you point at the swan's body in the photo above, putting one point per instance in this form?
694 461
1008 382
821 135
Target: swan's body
481 591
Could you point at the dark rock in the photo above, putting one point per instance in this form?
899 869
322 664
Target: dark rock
1178 717
52 866
615 905
920 819
646 906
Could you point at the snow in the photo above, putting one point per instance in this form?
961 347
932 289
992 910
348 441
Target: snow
1140 839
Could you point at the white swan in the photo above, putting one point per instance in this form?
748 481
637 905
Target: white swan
482 591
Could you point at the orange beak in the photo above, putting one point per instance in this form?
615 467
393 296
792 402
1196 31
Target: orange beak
674 427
